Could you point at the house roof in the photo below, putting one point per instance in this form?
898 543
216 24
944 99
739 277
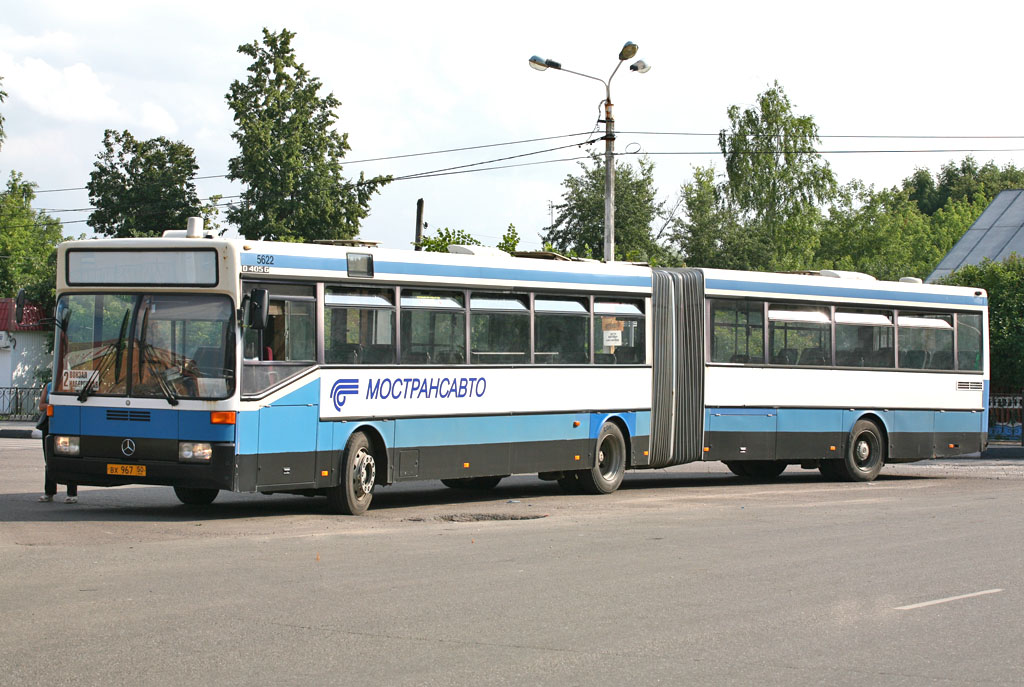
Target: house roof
33 314
995 235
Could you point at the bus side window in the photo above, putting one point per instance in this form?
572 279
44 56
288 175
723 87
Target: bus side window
359 326
619 331
968 341
737 331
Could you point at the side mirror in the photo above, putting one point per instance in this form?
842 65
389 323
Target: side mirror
259 309
19 306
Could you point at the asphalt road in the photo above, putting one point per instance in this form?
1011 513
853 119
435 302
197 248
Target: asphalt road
685 576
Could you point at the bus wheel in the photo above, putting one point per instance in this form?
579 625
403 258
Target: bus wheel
195 497
865 454
737 468
764 469
478 483
606 476
358 472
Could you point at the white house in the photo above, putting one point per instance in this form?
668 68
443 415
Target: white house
23 348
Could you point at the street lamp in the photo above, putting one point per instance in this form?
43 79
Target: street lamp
628 52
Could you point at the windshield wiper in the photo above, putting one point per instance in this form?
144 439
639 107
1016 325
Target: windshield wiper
117 349
146 351
161 381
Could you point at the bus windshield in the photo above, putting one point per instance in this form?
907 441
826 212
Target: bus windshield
172 346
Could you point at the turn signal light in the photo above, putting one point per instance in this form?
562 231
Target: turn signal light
222 417
49 411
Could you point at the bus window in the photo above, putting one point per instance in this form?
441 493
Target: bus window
926 341
561 331
800 335
619 333
499 329
737 331
288 344
968 341
433 328
864 338
359 326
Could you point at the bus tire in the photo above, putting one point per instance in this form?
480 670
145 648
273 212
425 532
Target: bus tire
765 470
358 473
865 453
606 475
192 496
477 483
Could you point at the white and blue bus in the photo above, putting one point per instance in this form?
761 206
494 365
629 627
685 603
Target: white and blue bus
211 364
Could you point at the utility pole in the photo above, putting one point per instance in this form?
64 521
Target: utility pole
628 52
419 224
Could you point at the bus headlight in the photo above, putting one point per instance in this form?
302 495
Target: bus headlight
194 452
65 446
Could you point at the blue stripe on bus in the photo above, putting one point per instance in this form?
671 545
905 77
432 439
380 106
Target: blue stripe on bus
838 420
382 267
500 429
191 425
842 292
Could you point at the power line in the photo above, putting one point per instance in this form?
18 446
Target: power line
646 133
866 136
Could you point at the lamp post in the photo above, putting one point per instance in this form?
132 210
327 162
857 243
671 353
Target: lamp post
627 52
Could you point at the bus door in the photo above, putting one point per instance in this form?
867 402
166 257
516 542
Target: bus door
278 359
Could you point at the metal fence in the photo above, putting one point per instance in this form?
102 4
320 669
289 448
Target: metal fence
1004 417
19 403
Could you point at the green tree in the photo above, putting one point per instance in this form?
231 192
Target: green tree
28 241
290 155
141 188
1004 282
579 223
439 242
709 234
963 181
776 180
881 233
510 240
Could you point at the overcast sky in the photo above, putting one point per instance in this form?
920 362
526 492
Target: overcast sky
426 76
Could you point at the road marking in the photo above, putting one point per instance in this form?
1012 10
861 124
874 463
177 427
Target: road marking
946 600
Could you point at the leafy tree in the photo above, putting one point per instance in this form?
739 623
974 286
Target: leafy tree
579 225
879 233
1004 282
776 179
445 237
28 241
290 155
710 234
963 181
510 240
141 188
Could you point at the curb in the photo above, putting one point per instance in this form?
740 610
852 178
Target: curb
16 433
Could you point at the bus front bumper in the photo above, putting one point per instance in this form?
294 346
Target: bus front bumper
98 471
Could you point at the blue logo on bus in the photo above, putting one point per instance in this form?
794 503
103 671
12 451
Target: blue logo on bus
341 389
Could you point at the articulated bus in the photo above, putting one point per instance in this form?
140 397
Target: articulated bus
210 364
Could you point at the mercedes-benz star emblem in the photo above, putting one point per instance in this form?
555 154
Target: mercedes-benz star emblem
128 447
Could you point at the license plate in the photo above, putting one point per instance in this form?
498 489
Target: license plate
126 470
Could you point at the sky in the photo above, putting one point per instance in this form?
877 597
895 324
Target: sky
417 77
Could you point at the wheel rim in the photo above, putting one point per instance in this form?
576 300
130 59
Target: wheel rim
364 472
609 458
864 451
